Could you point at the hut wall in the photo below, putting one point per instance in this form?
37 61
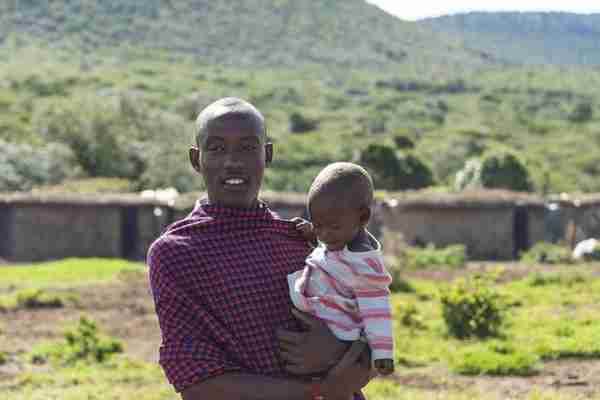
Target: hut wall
487 233
50 231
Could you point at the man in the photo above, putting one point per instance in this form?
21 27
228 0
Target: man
218 278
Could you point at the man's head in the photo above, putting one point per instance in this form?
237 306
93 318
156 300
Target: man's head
231 152
339 203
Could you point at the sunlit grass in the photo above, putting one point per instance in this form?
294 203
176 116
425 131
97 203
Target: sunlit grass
65 273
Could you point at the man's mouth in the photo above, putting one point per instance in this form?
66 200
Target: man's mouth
234 182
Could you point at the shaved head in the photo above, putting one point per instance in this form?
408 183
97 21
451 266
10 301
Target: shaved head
345 183
226 109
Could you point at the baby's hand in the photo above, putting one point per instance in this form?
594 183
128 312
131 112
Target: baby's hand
384 366
306 228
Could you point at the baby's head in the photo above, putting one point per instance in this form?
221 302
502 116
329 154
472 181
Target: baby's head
339 203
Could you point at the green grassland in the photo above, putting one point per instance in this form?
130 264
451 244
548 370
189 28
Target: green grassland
550 314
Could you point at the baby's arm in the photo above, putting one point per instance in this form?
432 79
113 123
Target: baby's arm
372 296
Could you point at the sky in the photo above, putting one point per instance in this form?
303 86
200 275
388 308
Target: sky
413 10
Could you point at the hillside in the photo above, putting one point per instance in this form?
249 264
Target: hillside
349 33
531 38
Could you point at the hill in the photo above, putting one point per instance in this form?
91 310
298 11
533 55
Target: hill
349 33
530 37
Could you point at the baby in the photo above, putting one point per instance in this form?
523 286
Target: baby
345 283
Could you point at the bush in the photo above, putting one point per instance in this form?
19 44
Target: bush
82 343
301 124
496 360
504 170
392 171
451 256
90 185
3 358
472 308
403 142
583 112
22 166
409 316
547 253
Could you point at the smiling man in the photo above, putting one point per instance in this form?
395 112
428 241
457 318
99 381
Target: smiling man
219 282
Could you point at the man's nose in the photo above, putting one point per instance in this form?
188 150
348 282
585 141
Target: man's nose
233 160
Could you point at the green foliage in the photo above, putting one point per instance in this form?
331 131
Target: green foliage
409 316
90 185
567 280
3 358
472 308
547 253
301 124
82 343
453 256
22 166
403 142
497 359
504 169
35 298
393 171
583 112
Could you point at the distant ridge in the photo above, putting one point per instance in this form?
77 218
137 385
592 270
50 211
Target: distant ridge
348 33
558 38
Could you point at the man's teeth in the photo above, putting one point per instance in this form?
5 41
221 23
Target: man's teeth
234 181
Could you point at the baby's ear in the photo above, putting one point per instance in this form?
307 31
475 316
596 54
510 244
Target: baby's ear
365 215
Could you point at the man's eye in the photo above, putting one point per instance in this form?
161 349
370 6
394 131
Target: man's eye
249 147
215 148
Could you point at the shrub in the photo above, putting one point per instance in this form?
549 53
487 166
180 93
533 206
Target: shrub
301 124
82 343
583 112
394 171
547 253
409 316
451 256
403 142
497 360
22 166
472 308
503 169
3 358
90 185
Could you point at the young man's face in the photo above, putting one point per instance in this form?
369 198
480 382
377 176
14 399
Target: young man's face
232 158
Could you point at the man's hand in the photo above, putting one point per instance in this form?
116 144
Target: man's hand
306 228
310 352
350 375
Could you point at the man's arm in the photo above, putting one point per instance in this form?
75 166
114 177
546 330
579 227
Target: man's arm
345 379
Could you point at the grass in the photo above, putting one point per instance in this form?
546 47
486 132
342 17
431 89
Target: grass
65 273
564 302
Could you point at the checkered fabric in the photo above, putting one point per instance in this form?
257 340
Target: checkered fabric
218 279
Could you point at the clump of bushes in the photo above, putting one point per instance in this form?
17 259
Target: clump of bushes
395 171
498 359
31 299
83 343
301 124
472 308
547 253
3 358
497 169
409 316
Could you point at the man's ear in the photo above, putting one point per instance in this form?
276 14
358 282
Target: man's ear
268 153
365 215
195 158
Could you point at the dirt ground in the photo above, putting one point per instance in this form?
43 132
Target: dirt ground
125 310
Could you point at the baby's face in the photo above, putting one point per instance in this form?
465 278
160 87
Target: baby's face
335 225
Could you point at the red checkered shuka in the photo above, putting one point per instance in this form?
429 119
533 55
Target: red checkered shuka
219 282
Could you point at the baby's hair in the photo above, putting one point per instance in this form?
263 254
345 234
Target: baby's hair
228 108
346 183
